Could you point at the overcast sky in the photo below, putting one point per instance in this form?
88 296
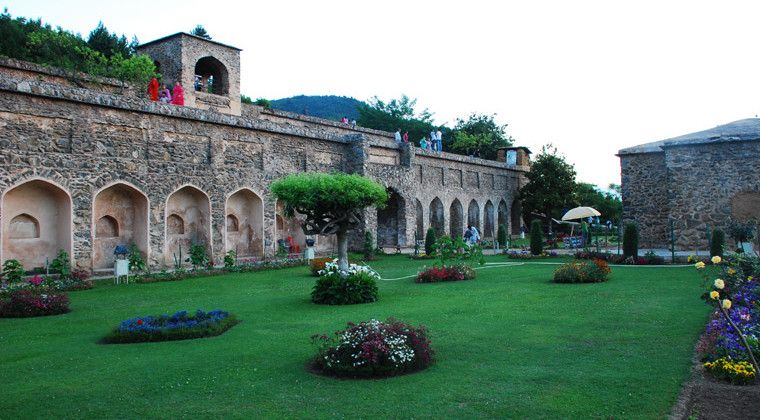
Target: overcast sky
592 77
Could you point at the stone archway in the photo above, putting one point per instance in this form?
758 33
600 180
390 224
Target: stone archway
456 219
436 217
244 224
36 223
488 228
213 75
188 222
391 221
503 215
420 220
516 217
120 216
473 214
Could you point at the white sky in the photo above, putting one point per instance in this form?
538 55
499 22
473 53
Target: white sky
592 77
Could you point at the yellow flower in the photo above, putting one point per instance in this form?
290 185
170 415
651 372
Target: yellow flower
726 304
716 260
714 294
731 271
700 265
719 284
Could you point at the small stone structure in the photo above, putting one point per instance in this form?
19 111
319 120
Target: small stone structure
699 181
87 163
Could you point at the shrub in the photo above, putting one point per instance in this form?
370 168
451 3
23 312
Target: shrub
34 302
369 246
13 271
136 261
373 349
335 287
179 326
198 256
318 264
430 241
631 241
536 237
717 243
501 236
582 272
230 259
77 280
61 264
439 274
736 372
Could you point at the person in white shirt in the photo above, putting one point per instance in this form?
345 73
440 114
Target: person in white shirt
397 135
439 139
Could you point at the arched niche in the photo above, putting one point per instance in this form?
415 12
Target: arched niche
488 227
245 224
456 219
420 220
291 227
391 221
175 225
503 215
516 216
212 74
120 214
24 226
36 223
192 207
436 216
473 214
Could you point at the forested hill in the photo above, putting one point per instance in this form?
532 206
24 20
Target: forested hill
328 107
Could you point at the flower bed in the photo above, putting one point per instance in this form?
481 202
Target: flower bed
77 280
526 255
36 302
373 349
318 264
445 273
648 259
179 326
595 271
248 267
335 287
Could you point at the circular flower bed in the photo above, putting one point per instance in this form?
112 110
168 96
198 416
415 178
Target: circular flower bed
33 302
445 273
180 326
594 271
373 349
335 287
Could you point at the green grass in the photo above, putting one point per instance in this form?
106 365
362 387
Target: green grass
509 344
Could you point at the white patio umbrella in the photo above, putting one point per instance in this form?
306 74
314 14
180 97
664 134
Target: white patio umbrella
580 213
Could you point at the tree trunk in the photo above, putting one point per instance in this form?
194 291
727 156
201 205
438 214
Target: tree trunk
342 249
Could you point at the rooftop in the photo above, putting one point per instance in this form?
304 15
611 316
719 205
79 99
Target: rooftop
191 36
741 130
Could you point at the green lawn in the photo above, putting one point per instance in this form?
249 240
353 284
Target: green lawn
509 344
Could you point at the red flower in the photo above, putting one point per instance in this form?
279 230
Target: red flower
139 322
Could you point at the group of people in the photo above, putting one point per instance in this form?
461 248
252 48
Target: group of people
345 121
435 143
471 235
175 96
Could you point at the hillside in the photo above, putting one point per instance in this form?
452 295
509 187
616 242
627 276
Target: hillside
328 107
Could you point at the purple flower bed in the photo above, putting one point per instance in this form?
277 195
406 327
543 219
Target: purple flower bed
182 325
720 340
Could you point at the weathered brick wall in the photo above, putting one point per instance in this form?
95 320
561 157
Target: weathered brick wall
85 140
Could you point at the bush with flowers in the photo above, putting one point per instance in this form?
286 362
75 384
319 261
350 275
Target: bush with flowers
373 349
181 325
594 271
731 337
526 255
454 272
318 264
448 249
33 302
358 284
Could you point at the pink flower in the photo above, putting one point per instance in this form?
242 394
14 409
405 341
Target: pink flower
36 280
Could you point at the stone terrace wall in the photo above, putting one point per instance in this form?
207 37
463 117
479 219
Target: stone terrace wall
83 140
645 196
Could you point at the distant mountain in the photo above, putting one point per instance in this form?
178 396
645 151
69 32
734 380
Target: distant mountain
328 107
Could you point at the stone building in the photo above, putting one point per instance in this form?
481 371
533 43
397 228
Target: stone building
697 181
88 163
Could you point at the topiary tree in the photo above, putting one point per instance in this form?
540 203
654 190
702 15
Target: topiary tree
331 203
430 241
717 242
536 237
501 236
631 241
369 246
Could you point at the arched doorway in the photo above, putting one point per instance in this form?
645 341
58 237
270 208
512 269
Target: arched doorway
473 214
244 224
36 223
516 217
120 217
456 219
488 228
213 76
503 215
436 216
391 221
188 222
420 221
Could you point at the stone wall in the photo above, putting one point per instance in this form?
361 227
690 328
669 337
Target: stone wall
645 196
85 141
